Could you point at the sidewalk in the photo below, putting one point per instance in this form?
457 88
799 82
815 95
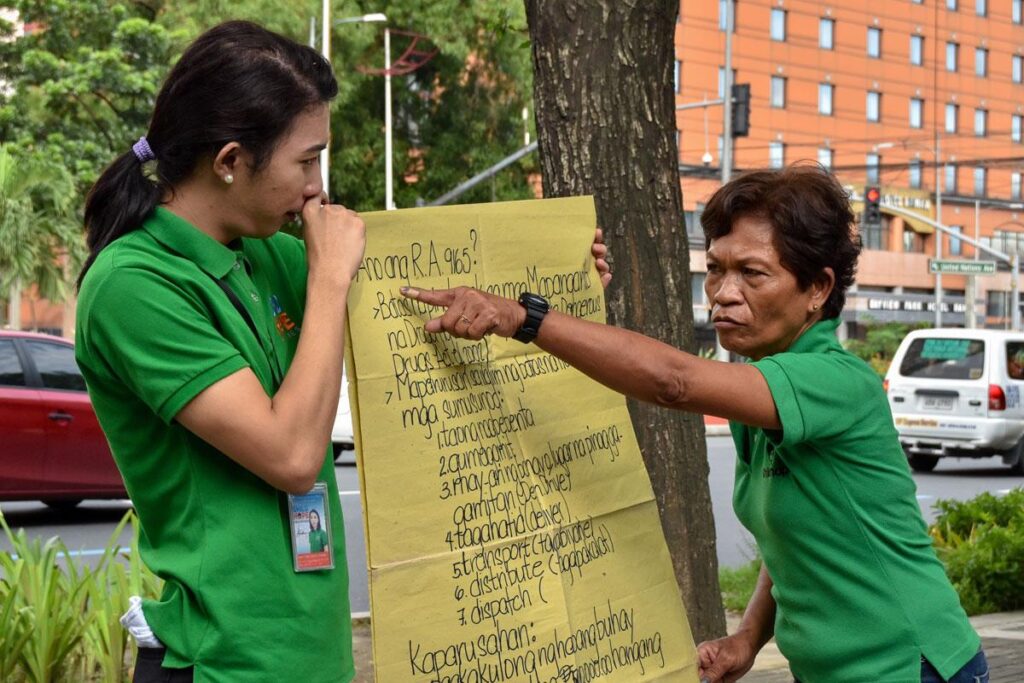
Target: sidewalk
1002 636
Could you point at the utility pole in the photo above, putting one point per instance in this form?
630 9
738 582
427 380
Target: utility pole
727 96
938 235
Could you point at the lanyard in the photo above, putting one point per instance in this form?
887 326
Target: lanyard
242 311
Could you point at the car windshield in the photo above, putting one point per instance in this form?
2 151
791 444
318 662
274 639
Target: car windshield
944 358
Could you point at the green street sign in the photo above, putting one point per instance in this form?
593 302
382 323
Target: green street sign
961 267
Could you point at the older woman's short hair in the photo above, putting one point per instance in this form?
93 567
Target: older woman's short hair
812 220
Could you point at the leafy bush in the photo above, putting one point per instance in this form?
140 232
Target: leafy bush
880 343
59 617
981 542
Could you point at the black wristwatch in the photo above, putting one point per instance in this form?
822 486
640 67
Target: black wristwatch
536 308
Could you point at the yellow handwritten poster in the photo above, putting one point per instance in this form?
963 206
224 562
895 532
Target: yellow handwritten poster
511 529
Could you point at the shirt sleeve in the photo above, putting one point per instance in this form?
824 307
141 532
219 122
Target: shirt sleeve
818 396
158 339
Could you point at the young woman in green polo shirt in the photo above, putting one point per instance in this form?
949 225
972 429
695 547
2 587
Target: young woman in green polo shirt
851 587
317 536
213 412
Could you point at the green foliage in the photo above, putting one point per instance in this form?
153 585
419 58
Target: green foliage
738 583
880 344
454 117
83 85
981 542
61 618
40 241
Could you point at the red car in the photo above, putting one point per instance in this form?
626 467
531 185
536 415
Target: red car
51 446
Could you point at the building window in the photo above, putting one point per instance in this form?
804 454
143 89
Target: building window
777 91
980 61
876 237
980 122
915 174
916 50
825 91
1015 126
721 80
874 106
952 117
951 4
952 56
872 163
874 42
912 242
916 107
955 245
723 6
1017 69
678 76
778 29
697 289
1015 186
826 34
979 181
949 180
776 155
1017 11
981 8
825 157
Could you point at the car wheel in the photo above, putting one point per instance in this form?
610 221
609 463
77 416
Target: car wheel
62 504
1018 467
922 463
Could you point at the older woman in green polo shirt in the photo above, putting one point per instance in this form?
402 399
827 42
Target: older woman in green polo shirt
851 587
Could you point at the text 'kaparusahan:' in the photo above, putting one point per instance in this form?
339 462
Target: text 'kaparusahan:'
607 644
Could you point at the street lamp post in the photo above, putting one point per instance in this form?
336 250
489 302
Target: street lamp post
325 45
938 218
938 235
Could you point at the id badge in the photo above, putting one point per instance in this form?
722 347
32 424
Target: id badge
309 519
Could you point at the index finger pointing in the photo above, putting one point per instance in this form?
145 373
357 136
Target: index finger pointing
434 297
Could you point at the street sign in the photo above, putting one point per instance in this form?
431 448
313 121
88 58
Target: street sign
961 267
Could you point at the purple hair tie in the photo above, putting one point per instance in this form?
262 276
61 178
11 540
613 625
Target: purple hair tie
143 152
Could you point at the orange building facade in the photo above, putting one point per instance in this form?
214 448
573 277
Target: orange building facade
883 92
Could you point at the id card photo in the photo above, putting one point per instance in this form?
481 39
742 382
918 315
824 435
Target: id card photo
309 519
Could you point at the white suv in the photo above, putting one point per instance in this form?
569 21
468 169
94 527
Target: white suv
957 392
342 438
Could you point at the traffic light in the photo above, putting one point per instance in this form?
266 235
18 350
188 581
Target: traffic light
740 110
872 208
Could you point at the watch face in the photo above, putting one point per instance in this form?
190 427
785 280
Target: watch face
533 301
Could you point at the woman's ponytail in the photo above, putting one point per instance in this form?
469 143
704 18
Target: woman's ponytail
117 204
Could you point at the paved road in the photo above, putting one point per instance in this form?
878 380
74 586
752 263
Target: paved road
86 530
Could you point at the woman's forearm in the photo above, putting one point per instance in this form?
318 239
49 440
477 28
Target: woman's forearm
758 622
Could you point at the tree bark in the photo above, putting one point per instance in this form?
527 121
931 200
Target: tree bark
606 126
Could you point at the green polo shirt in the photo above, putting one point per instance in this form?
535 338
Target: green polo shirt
859 591
317 541
154 330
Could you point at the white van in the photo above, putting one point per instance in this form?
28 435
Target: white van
342 436
957 392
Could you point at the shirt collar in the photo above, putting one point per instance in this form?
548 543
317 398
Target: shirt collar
818 337
183 238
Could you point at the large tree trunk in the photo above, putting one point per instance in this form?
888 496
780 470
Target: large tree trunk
606 126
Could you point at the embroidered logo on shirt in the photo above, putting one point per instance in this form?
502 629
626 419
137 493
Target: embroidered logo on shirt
286 327
774 467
